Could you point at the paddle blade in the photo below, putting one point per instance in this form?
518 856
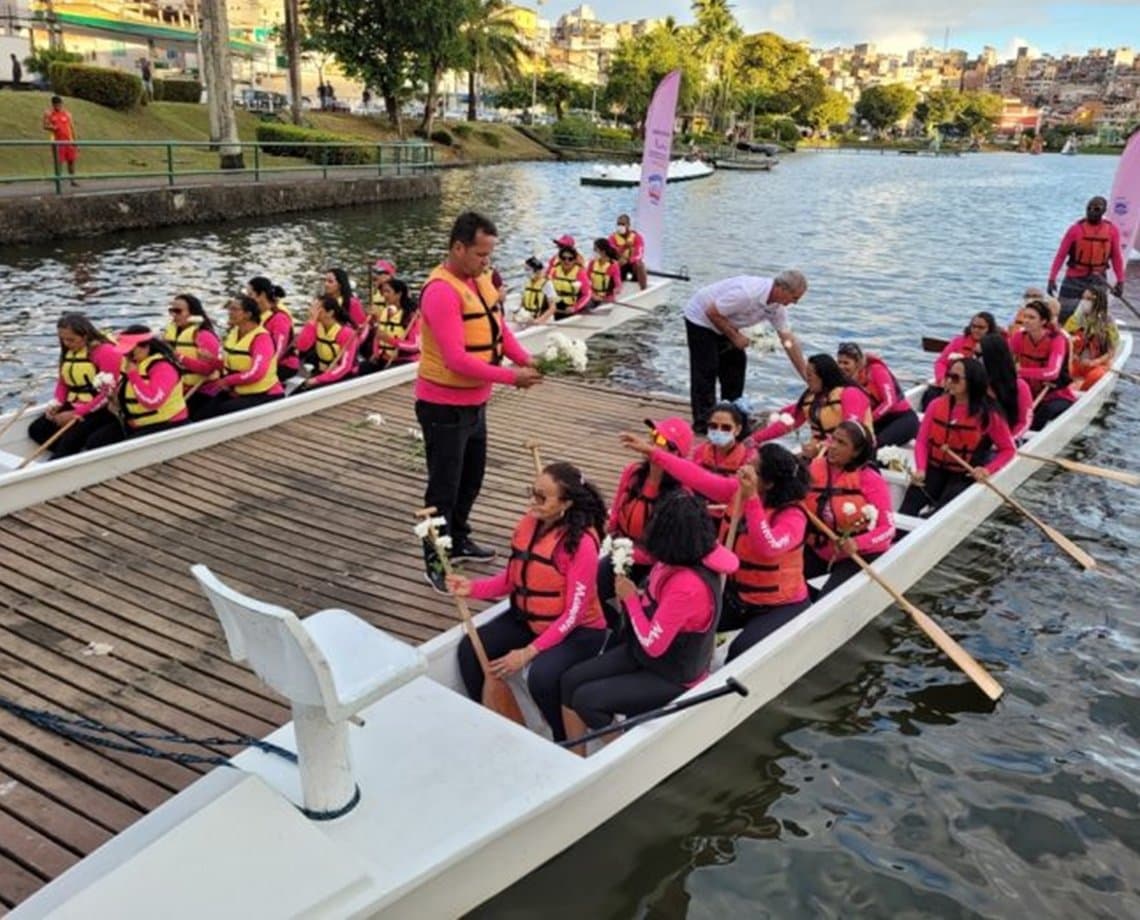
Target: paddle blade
1082 558
499 698
969 665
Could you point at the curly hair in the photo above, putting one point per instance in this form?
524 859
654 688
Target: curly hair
680 532
587 511
785 476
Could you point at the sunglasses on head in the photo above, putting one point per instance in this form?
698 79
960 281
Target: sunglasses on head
955 377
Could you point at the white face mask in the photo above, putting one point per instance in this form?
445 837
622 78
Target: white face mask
721 438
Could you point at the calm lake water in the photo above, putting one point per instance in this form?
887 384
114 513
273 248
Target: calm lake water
880 785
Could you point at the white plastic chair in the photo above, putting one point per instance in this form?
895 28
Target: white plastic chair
330 666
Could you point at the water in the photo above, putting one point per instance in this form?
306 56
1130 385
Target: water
880 785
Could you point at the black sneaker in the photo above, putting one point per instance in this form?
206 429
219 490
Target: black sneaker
473 551
434 577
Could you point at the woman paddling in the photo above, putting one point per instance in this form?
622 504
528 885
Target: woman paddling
768 589
896 423
1094 335
150 396
672 624
965 345
249 372
331 342
831 396
85 353
191 337
965 421
1041 351
278 322
554 620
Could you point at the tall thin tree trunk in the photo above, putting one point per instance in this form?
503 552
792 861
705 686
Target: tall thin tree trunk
293 56
428 124
217 73
472 114
392 107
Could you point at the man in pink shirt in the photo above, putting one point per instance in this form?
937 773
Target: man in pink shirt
462 346
1091 246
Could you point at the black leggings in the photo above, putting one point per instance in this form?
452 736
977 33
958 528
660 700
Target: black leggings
942 486
614 683
506 633
1046 411
838 571
114 432
73 442
607 594
897 429
223 404
754 621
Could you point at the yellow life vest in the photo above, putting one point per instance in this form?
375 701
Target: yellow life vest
534 295
78 371
391 321
564 286
600 281
328 349
138 416
183 342
482 330
625 243
239 358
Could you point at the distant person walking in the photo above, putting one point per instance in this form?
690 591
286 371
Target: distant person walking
147 79
718 349
1091 245
17 72
59 122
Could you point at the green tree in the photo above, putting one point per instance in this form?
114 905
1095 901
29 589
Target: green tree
940 109
833 110
493 47
885 104
768 67
639 64
560 91
440 46
980 112
717 37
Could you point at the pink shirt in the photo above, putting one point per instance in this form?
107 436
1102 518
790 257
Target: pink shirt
1024 409
106 361
356 311
684 604
208 342
442 311
614 271
997 431
1072 236
877 539
1039 376
584 292
853 403
581 572
408 347
963 346
280 327
880 385
345 364
161 380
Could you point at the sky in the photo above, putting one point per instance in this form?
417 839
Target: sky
897 25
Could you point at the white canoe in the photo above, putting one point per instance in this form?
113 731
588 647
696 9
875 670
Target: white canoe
629 174
458 803
43 480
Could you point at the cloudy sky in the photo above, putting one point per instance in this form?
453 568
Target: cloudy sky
900 24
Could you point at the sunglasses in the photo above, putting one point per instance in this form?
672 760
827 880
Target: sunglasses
537 496
658 439
567 258
955 377
979 325
721 426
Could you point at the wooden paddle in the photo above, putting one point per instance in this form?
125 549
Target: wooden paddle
1083 558
46 446
1132 479
1124 300
497 696
16 416
937 634
535 451
934 345
733 526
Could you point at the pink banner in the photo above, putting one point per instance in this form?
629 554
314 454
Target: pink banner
1124 202
655 166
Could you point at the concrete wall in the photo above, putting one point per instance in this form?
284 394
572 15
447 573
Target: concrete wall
35 219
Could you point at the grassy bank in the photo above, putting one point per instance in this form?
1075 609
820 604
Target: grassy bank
21 114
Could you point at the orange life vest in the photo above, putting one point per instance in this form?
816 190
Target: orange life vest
824 412
633 513
482 330
967 439
1036 354
625 243
872 360
537 587
1094 249
766 582
723 464
832 496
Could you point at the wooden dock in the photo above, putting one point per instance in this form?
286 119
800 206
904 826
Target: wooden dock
100 618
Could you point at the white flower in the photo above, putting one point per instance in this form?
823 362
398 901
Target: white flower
849 508
415 434
103 381
427 526
955 356
443 542
374 419
196 320
894 458
561 350
762 339
787 419
53 404
870 515
621 549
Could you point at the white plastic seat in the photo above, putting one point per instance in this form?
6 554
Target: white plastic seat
329 665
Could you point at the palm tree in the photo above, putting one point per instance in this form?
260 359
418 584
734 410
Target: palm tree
494 48
718 33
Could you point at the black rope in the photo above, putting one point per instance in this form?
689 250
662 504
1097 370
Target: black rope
92 732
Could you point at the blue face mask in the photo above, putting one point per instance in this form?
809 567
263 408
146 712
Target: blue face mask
721 438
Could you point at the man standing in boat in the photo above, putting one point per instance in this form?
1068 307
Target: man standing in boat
1091 245
463 342
718 349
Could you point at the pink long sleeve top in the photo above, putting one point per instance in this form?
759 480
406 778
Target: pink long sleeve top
650 491
997 431
1024 410
279 325
261 355
637 250
581 572
442 311
407 348
345 364
1039 376
1072 236
205 341
684 604
356 311
961 345
106 361
853 402
886 398
155 388
877 539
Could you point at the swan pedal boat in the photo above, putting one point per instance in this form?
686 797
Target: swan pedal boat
44 479
457 803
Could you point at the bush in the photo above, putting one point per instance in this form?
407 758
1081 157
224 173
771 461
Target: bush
175 90
276 133
490 138
462 130
101 85
442 136
41 60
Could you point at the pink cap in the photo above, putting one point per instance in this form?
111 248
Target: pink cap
383 266
125 343
566 241
676 431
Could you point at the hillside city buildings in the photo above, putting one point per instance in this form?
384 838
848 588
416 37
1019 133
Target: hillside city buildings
1099 89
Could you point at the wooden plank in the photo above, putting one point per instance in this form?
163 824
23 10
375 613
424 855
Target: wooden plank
16 882
32 849
74 831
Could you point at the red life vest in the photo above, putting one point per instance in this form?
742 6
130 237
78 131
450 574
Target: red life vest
633 513
1037 354
1094 248
690 653
765 582
829 493
723 464
871 394
967 439
537 587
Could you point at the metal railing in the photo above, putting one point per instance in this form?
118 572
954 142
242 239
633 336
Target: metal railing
260 161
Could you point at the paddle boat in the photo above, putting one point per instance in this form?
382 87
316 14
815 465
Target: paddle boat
747 164
40 480
629 174
434 803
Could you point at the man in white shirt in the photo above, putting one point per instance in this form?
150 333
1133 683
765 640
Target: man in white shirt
718 350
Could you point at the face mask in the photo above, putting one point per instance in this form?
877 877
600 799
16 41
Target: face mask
721 438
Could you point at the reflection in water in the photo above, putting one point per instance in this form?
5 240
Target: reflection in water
882 784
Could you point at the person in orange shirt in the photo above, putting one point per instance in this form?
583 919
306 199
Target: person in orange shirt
59 122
